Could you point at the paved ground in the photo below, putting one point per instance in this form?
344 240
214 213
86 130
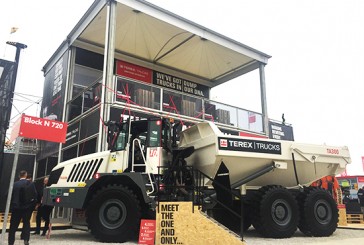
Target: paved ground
340 237
76 237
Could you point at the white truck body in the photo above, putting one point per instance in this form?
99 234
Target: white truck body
245 155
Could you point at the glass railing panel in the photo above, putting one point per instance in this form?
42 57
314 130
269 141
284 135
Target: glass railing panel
251 121
91 97
137 94
220 113
191 106
172 102
75 107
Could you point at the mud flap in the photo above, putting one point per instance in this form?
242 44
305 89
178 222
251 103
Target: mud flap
221 180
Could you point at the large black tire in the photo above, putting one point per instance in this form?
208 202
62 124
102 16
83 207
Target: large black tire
113 214
275 212
318 212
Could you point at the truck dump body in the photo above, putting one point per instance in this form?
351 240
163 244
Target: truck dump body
245 155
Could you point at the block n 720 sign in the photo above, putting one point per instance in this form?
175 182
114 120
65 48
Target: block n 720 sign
42 129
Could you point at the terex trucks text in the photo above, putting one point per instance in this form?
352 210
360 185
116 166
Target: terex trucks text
144 165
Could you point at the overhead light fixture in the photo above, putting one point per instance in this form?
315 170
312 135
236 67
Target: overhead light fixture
16 44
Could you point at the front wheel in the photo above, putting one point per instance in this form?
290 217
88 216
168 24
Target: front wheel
114 214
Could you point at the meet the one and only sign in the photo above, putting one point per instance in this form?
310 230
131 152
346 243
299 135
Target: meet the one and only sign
39 128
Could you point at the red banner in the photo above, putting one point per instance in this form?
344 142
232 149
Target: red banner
147 232
134 71
42 129
341 206
245 134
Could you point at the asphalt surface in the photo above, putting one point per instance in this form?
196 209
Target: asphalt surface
76 237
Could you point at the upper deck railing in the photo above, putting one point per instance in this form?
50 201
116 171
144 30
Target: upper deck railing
152 99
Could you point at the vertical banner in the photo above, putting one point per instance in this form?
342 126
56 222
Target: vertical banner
53 101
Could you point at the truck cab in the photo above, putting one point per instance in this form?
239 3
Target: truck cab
110 191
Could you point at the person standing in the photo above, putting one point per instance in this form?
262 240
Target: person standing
43 212
30 178
22 204
361 198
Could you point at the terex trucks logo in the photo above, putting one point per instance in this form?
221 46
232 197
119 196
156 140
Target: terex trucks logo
250 145
223 143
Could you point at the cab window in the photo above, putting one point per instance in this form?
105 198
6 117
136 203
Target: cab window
122 138
154 139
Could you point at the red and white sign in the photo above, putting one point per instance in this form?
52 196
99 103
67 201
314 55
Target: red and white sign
252 118
134 71
39 128
147 231
361 179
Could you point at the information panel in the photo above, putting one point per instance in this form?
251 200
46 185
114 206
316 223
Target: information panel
280 131
147 232
179 84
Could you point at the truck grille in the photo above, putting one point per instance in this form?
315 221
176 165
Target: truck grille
84 171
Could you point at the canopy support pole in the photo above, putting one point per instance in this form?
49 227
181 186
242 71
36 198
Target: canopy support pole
263 97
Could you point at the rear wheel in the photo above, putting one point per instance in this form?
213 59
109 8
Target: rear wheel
318 211
275 212
113 214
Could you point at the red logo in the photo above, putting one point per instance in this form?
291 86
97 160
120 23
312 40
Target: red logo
223 143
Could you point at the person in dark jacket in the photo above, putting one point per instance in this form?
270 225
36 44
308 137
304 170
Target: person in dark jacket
30 178
361 198
22 204
43 212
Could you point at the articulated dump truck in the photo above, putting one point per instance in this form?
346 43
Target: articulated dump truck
150 161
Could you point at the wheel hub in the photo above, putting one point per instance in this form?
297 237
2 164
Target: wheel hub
281 212
112 213
323 212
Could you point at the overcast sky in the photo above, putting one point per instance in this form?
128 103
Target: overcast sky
315 75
